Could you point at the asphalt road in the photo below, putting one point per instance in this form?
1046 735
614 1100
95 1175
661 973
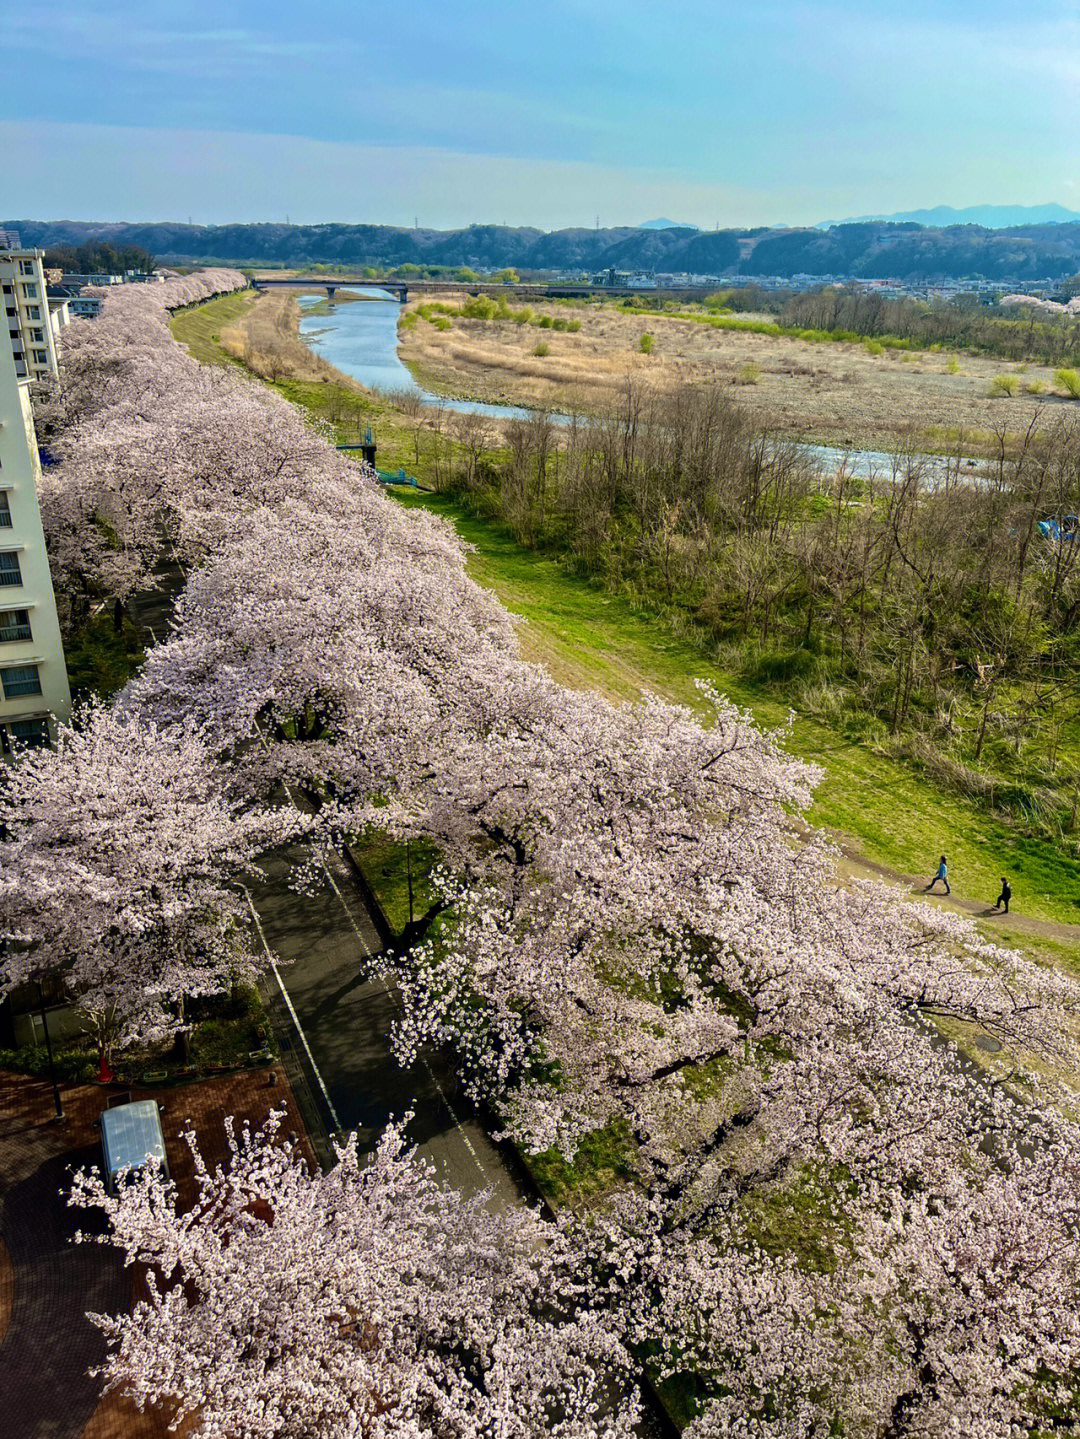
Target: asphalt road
336 1023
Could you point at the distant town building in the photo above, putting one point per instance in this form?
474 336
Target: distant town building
79 305
71 277
33 676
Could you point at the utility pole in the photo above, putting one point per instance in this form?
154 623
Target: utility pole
60 1115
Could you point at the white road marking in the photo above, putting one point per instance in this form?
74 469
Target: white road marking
395 1001
293 1014
393 998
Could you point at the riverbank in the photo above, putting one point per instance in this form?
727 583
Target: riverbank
885 812
266 338
866 396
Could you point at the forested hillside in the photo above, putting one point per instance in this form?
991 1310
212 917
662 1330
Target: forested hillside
868 250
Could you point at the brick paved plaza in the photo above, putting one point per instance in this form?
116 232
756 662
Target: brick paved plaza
47 1283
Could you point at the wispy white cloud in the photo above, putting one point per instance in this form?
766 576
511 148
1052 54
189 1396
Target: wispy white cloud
112 171
771 110
117 172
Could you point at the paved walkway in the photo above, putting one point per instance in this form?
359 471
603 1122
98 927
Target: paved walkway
50 1345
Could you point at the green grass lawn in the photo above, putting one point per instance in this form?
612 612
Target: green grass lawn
200 327
588 638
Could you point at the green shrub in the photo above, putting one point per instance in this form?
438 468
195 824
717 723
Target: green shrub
73 1066
407 322
1069 380
875 347
545 322
750 373
542 349
523 316
1034 387
480 307
646 343
953 365
442 323
1003 385
559 324
771 666
573 326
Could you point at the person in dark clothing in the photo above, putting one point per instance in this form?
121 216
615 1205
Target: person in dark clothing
943 875
1005 895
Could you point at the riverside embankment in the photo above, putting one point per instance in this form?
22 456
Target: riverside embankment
879 808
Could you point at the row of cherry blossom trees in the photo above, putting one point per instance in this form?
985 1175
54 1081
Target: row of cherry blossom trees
835 1222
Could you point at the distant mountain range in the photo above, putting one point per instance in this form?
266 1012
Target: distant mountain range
870 249
664 225
990 217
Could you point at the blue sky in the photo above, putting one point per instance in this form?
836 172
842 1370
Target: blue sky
544 114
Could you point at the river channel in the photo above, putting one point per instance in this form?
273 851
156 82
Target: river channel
361 340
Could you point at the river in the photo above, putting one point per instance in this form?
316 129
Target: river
361 340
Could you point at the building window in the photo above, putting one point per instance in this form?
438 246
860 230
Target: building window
33 312
41 357
23 734
30 292
26 267
38 335
5 511
10 573
14 625
20 680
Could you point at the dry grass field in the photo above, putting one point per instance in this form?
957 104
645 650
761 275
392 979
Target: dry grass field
833 392
266 339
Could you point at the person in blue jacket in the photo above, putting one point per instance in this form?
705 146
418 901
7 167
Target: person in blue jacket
943 875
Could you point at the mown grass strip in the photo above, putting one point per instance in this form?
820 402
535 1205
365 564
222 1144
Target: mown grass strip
587 638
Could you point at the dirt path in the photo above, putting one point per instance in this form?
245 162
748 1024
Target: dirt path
854 865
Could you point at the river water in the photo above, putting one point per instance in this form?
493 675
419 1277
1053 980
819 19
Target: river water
361 340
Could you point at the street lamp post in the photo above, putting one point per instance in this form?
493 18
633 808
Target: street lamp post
408 870
60 1115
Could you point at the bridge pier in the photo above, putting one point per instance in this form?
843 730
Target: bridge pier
403 294
330 289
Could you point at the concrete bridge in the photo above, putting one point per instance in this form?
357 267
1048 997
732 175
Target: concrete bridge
331 284
534 290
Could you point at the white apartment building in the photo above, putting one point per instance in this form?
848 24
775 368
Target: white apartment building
26 310
33 676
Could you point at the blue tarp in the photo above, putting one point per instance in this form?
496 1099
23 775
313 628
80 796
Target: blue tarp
1066 530
131 1135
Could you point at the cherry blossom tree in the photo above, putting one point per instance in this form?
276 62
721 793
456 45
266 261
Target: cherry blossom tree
119 868
638 932
366 1301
